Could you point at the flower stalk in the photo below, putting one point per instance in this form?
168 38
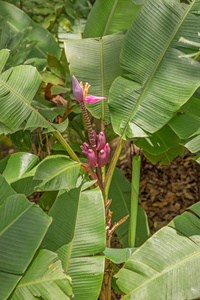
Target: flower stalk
89 126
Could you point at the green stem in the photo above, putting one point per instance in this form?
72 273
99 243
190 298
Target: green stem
134 200
102 84
103 175
111 168
67 147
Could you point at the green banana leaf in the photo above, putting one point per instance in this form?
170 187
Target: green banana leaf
118 256
187 123
23 226
120 193
96 61
162 146
166 157
47 200
197 158
112 15
16 22
18 170
155 82
160 141
193 145
44 278
18 86
87 275
5 190
77 234
167 265
16 165
57 172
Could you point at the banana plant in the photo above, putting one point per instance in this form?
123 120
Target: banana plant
153 83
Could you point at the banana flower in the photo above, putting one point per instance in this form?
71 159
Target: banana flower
81 94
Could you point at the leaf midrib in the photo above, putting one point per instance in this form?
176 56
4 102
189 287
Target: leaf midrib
148 81
163 272
110 17
41 280
102 81
15 220
58 173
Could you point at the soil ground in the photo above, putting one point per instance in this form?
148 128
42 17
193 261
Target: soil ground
165 190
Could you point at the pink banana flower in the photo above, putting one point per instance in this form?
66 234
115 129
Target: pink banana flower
91 158
81 94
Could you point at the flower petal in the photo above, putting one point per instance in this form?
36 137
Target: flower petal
89 99
85 147
77 89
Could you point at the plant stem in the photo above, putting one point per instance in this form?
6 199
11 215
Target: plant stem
67 147
102 84
111 168
116 224
105 293
103 175
134 199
